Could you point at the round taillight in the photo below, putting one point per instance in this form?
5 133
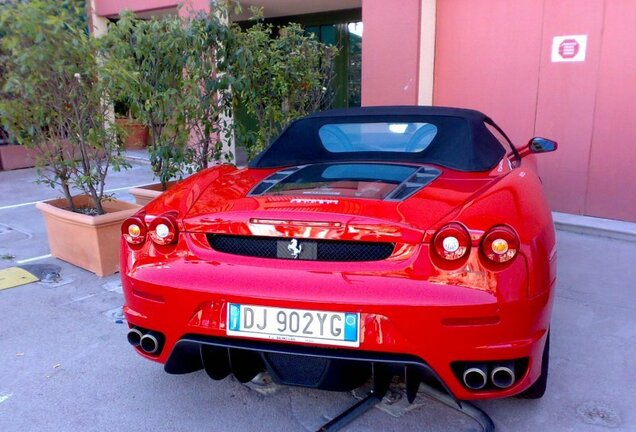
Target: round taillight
500 244
452 242
163 230
134 230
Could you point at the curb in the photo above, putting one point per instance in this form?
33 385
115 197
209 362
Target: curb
138 160
137 156
600 227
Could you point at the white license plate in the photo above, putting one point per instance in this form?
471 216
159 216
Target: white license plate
295 325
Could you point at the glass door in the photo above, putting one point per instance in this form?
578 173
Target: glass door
347 36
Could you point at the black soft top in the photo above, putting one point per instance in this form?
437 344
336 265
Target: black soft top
463 141
406 110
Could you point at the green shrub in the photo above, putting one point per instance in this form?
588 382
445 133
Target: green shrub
56 96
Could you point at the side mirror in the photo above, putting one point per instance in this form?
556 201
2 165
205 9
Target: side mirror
538 145
542 145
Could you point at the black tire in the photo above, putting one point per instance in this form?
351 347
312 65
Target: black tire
536 390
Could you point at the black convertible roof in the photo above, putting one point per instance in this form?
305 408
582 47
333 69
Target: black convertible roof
463 141
402 110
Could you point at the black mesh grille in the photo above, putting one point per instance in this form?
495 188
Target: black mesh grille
315 250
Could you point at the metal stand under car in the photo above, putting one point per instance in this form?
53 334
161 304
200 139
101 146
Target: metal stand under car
374 397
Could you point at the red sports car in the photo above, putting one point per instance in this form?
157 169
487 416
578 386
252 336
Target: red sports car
362 244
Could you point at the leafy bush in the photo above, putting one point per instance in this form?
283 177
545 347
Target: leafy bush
56 96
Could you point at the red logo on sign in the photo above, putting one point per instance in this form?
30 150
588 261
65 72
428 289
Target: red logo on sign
569 48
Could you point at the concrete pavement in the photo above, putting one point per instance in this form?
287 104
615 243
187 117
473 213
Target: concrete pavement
65 364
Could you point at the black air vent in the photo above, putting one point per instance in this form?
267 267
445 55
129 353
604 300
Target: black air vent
414 183
301 249
273 180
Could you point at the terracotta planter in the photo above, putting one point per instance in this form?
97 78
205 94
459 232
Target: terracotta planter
90 242
136 134
16 157
144 194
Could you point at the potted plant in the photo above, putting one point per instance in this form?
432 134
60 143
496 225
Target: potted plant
56 100
151 51
134 134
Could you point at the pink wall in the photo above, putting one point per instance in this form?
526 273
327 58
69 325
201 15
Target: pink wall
193 6
111 8
114 7
565 106
612 177
390 52
494 55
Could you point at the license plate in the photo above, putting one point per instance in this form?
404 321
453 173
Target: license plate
295 325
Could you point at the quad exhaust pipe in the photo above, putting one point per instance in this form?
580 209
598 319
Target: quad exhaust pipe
503 375
149 342
134 336
476 376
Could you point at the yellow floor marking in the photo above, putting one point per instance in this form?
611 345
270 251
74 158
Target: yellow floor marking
15 276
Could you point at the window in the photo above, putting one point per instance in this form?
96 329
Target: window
377 137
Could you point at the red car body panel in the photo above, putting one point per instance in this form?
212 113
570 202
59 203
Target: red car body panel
410 303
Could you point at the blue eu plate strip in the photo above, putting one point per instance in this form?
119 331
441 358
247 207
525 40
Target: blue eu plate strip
235 317
351 327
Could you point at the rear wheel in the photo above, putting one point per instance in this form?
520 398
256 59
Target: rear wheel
536 390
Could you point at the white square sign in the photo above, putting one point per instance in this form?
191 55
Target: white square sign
569 48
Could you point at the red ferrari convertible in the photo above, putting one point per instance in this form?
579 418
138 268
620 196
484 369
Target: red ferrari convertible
362 244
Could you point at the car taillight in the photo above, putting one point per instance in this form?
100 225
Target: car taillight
452 242
163 230
500 244
134 230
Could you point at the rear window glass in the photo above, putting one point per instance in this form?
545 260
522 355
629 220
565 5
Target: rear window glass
451 141
375 137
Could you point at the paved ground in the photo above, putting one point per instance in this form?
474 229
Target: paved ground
65 364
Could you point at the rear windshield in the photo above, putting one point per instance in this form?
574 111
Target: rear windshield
449 141
377 137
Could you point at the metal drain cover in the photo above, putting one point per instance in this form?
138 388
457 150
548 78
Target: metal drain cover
598 414
47 273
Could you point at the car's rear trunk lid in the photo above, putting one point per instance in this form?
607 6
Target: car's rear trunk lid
356 202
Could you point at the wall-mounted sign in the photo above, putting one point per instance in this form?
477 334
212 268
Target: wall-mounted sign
569 48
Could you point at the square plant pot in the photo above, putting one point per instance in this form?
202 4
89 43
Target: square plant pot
144 194
89 242
135 134
16 157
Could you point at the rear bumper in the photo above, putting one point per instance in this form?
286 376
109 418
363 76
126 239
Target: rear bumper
432 324
308 366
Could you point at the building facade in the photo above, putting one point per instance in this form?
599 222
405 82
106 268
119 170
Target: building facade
563 69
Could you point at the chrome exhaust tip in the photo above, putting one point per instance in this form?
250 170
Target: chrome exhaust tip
475 376
134 336
149 343
503 376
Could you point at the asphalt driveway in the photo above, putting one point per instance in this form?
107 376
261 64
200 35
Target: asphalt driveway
65 364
